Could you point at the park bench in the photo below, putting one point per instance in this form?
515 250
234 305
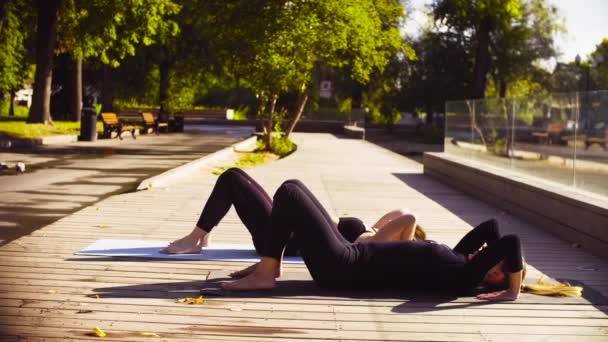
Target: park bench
112 124
552 134
151 122
600 139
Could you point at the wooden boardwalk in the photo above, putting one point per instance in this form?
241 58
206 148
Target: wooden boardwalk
49 293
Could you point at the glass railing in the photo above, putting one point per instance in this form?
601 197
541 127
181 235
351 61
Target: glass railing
560 138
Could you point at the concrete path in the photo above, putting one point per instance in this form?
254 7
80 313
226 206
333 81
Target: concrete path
45 288
61 179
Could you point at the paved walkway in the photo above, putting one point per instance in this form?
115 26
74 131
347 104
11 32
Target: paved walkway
62 179
48 292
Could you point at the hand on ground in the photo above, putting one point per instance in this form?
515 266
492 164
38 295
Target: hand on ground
498 295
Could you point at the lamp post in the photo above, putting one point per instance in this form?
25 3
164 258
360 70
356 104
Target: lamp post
584 117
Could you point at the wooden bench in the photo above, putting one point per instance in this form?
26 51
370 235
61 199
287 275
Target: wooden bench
112 124
552 134
151 122
597 139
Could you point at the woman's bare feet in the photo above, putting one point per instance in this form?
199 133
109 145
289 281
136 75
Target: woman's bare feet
251 282
250 269
192 243
261 278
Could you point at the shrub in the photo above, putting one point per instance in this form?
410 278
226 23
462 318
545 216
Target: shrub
281 146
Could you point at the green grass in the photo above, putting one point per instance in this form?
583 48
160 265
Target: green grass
281 146
21 129
249 160
16 126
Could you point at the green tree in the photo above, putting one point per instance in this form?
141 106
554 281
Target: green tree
102 29
527 40
15 53
441 73
482 20
599 65
284 41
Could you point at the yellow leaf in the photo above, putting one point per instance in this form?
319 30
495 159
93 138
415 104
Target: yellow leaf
147 334
53 292
103 226
198 300
188 300
98 332
149 186
93 296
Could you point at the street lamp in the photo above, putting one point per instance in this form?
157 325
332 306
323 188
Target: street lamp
584 118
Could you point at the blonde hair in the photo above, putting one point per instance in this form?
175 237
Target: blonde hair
555 288
419 233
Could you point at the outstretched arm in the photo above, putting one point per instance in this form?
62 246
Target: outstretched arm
515 282
507 248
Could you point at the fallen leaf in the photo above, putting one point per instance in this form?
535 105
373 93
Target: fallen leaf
97 209
53 292
103 226
198 300
149 186
84 311
188 300
97 332
93 296
147 334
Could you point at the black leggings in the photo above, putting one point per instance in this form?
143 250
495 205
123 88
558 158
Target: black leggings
336 263
254 206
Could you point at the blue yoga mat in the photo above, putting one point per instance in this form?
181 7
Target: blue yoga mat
151 249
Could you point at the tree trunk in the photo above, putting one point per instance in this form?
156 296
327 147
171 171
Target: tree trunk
3 13
508 127
474 125
302 99
107 91
48 11
502 88
163 89
75 89
268 136
11 109
429 113
482 59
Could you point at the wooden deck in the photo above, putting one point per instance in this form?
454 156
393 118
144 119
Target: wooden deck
49 293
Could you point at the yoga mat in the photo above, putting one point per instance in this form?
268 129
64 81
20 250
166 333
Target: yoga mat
151 249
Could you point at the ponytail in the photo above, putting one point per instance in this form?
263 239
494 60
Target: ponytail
419 233
544 288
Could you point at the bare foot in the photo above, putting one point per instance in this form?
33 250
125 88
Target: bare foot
250 269
253 281
189 244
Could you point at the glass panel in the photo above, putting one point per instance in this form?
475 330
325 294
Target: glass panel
591 164
458 131
546 137
492 132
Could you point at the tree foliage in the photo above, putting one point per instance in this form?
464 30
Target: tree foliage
599 65
16 65
103 29
480 19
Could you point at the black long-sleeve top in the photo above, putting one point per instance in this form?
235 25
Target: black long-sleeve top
429 265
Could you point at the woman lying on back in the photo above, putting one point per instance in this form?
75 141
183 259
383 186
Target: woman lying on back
336 263
253 206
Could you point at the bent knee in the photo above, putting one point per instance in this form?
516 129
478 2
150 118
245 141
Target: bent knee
407 219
